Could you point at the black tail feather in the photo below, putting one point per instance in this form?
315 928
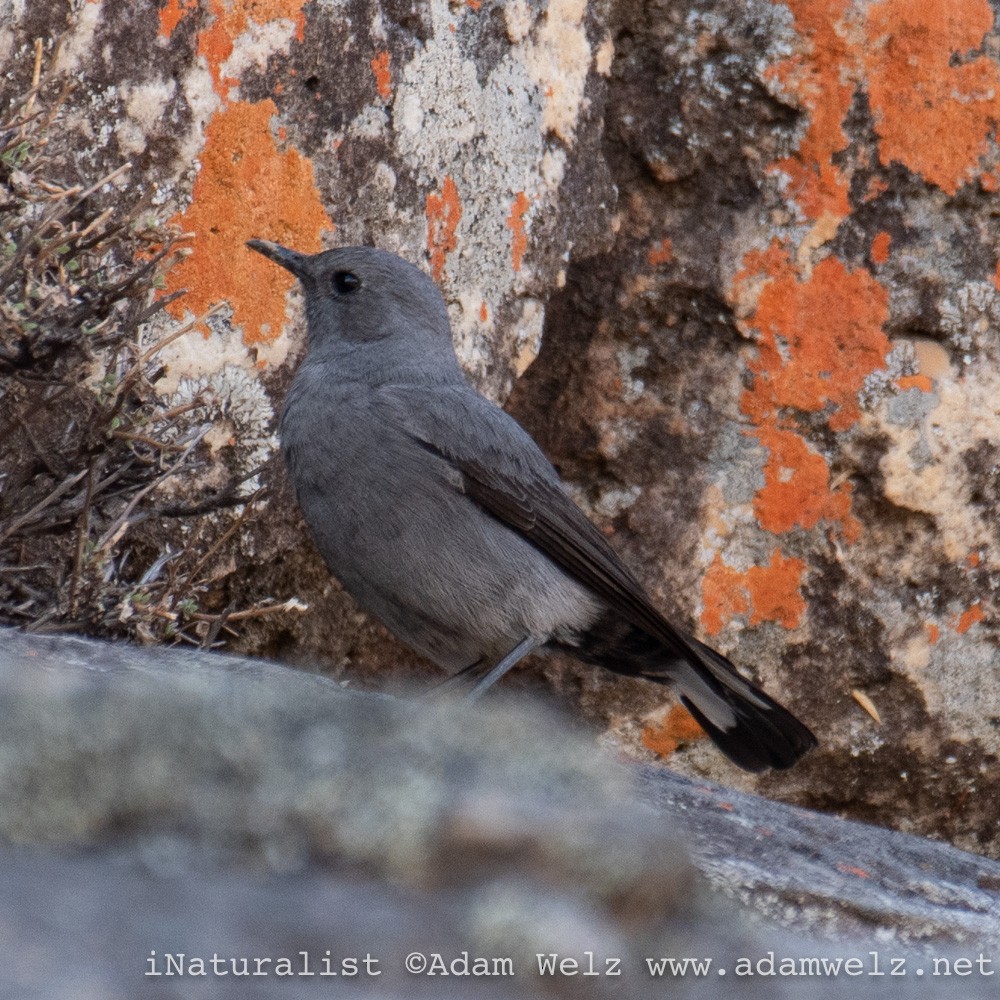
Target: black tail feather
763 734
760 739
747 725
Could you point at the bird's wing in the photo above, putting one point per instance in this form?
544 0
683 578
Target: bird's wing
484 453
502 469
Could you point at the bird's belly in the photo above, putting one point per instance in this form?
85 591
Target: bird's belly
446 578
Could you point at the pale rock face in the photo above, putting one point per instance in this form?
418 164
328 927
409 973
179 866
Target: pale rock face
753 323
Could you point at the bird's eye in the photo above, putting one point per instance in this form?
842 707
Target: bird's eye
345 282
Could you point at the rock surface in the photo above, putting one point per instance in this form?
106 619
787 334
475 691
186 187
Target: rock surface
185 803
754 246
777 390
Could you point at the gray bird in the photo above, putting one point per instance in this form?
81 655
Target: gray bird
444 520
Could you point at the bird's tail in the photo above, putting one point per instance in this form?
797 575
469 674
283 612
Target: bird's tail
747 725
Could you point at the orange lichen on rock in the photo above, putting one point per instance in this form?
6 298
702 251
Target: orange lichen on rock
215 45
770 593
876 186
968 618
820 77
933 633
820 338
661 253
922 382
759 267
246 188
776 591
934 113
228 19
723 596
173 12
935 108
880 247
796 491
383 76
443 210
677 727
515 223
852 870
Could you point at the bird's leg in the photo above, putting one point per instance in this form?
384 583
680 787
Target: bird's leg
522 649
452 681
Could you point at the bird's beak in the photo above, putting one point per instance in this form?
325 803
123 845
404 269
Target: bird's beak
292 260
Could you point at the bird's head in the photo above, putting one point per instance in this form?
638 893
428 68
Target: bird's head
356 297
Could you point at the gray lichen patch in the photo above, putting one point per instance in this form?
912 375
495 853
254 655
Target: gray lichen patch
500 136
241 416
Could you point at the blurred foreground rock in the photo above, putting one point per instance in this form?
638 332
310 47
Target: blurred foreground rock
186 803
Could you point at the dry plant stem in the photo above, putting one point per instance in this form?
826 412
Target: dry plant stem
177 411
59 209
16 263
68 511
234 616
120 526
159 304
145 439
226 535
39 451
36 75
82 534
215 628
180 332
42 504
224 498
